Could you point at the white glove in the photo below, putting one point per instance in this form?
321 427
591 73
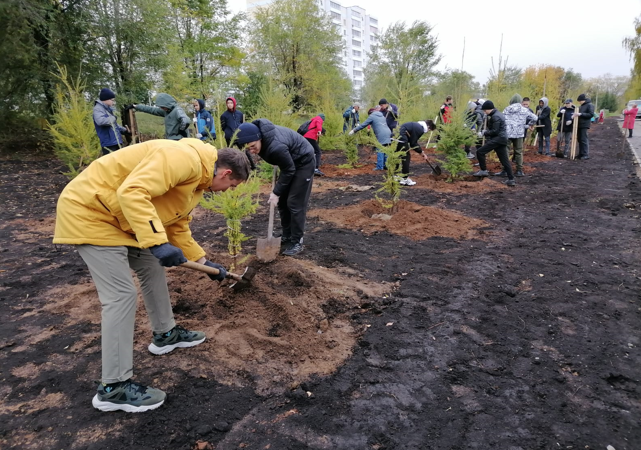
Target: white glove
479 134
195 119
273 199
351 132
576 115
199 135
562 111
353 111
569 122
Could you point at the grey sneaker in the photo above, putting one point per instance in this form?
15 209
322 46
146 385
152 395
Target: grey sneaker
481 173
519 173
294 249
127 396
502 173
177 337
511 183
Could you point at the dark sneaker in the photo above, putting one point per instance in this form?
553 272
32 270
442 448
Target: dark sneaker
481 173
511 183
318 173
519 173
284 241
177 337
127 396
502 173
294 249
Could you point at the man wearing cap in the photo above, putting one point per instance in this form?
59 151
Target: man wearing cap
294 156
496 133
565 126
106 123
585 115
390 112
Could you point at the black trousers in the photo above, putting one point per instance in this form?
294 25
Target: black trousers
584 142
110 148
405 159
317 150
501 151
294 201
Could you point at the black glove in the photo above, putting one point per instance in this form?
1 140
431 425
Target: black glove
168 255
221 276
128 107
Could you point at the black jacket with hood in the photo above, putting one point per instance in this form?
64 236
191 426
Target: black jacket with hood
231 120
587 112
285 148
544 117
496 128
569 112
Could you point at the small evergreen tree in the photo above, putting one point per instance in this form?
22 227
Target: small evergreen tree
391 180
453 136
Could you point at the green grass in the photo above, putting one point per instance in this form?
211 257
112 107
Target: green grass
152 127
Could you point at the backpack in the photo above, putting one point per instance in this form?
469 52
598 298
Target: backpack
347 113
304 128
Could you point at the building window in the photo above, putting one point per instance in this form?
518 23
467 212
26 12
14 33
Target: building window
374 39
358 73
356 43
356 14
373 21
356 23
373 30
358 83
356 53
334 5
336 16
356 34
358 64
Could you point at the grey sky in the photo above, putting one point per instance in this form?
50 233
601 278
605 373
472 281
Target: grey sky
583 35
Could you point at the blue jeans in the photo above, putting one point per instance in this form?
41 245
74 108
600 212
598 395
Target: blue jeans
381 160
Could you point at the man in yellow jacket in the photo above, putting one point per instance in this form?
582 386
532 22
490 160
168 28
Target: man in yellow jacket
130 210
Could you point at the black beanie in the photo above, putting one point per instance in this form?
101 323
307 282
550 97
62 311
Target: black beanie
106 94
581 98
248 132
487 105
383 101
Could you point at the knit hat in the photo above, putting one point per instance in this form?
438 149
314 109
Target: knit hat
581 98
487 105
106 94
322 116
569 100
383 101
516 98
248 132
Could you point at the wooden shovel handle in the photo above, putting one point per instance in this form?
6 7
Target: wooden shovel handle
270 226
209 270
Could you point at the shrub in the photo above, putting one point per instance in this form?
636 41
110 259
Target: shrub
453 136
391 180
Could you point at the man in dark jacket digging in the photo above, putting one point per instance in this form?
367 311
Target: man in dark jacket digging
585 115
496 133
295 158
410 133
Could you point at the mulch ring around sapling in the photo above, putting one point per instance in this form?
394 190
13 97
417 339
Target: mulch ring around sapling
411 220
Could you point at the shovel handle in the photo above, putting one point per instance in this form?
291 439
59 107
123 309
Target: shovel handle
270 226
209 270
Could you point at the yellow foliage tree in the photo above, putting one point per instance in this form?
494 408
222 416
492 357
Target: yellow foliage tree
544 81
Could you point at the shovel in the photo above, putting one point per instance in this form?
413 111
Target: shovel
435 168
240 281
268 249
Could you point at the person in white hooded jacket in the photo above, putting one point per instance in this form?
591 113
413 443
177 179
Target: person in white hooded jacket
517 117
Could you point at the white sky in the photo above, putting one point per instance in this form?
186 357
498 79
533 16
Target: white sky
584 35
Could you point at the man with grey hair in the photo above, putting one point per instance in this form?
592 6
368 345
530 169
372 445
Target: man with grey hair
351 118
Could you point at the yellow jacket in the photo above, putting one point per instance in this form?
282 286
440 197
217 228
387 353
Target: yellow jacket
139 196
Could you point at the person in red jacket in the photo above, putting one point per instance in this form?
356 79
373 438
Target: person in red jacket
630 114
314 131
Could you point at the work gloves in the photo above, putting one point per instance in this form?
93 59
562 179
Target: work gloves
198 135
353 111
195 119
221 276
569 122
351 132
168 255
128 107
273 199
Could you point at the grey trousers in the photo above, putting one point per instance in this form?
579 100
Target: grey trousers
110 269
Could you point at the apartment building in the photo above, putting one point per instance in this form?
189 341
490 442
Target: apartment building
358 30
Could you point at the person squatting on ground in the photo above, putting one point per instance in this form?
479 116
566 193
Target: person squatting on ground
544 126
496 132
176 121
130 210
629 116
203 121
351 117
474 120
516 118
314 131
565 126
390 111
585 115
106 123
294 156
409 134
382 132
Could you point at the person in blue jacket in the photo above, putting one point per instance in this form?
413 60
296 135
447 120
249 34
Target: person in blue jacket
106 123
350 117
382 132
203 121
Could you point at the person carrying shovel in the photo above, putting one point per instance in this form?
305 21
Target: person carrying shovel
294 156
130 210
409 134
565 127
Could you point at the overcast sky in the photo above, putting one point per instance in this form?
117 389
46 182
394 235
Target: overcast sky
582 35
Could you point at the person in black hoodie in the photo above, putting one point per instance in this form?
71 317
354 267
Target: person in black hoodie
230 120
544 125
285 148
409 134
496 133
565 126
585 114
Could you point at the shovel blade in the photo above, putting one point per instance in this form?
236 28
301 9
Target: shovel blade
267 249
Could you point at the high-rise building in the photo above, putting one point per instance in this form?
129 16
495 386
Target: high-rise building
358 30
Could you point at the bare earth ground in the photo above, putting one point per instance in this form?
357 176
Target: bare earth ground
479 317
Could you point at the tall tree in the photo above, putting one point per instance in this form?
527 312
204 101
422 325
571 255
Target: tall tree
300 47
633 46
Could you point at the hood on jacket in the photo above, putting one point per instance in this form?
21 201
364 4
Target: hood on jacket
471 106
201 104
207 158
166 101
544 100
233 100
516 98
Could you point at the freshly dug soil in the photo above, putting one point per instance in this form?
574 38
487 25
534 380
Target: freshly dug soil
524 337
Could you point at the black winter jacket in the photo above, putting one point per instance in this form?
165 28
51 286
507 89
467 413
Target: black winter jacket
496 127
284 148
544 119
587 112
569 111
411 132
229 122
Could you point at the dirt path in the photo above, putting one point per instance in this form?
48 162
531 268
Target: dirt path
523 335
